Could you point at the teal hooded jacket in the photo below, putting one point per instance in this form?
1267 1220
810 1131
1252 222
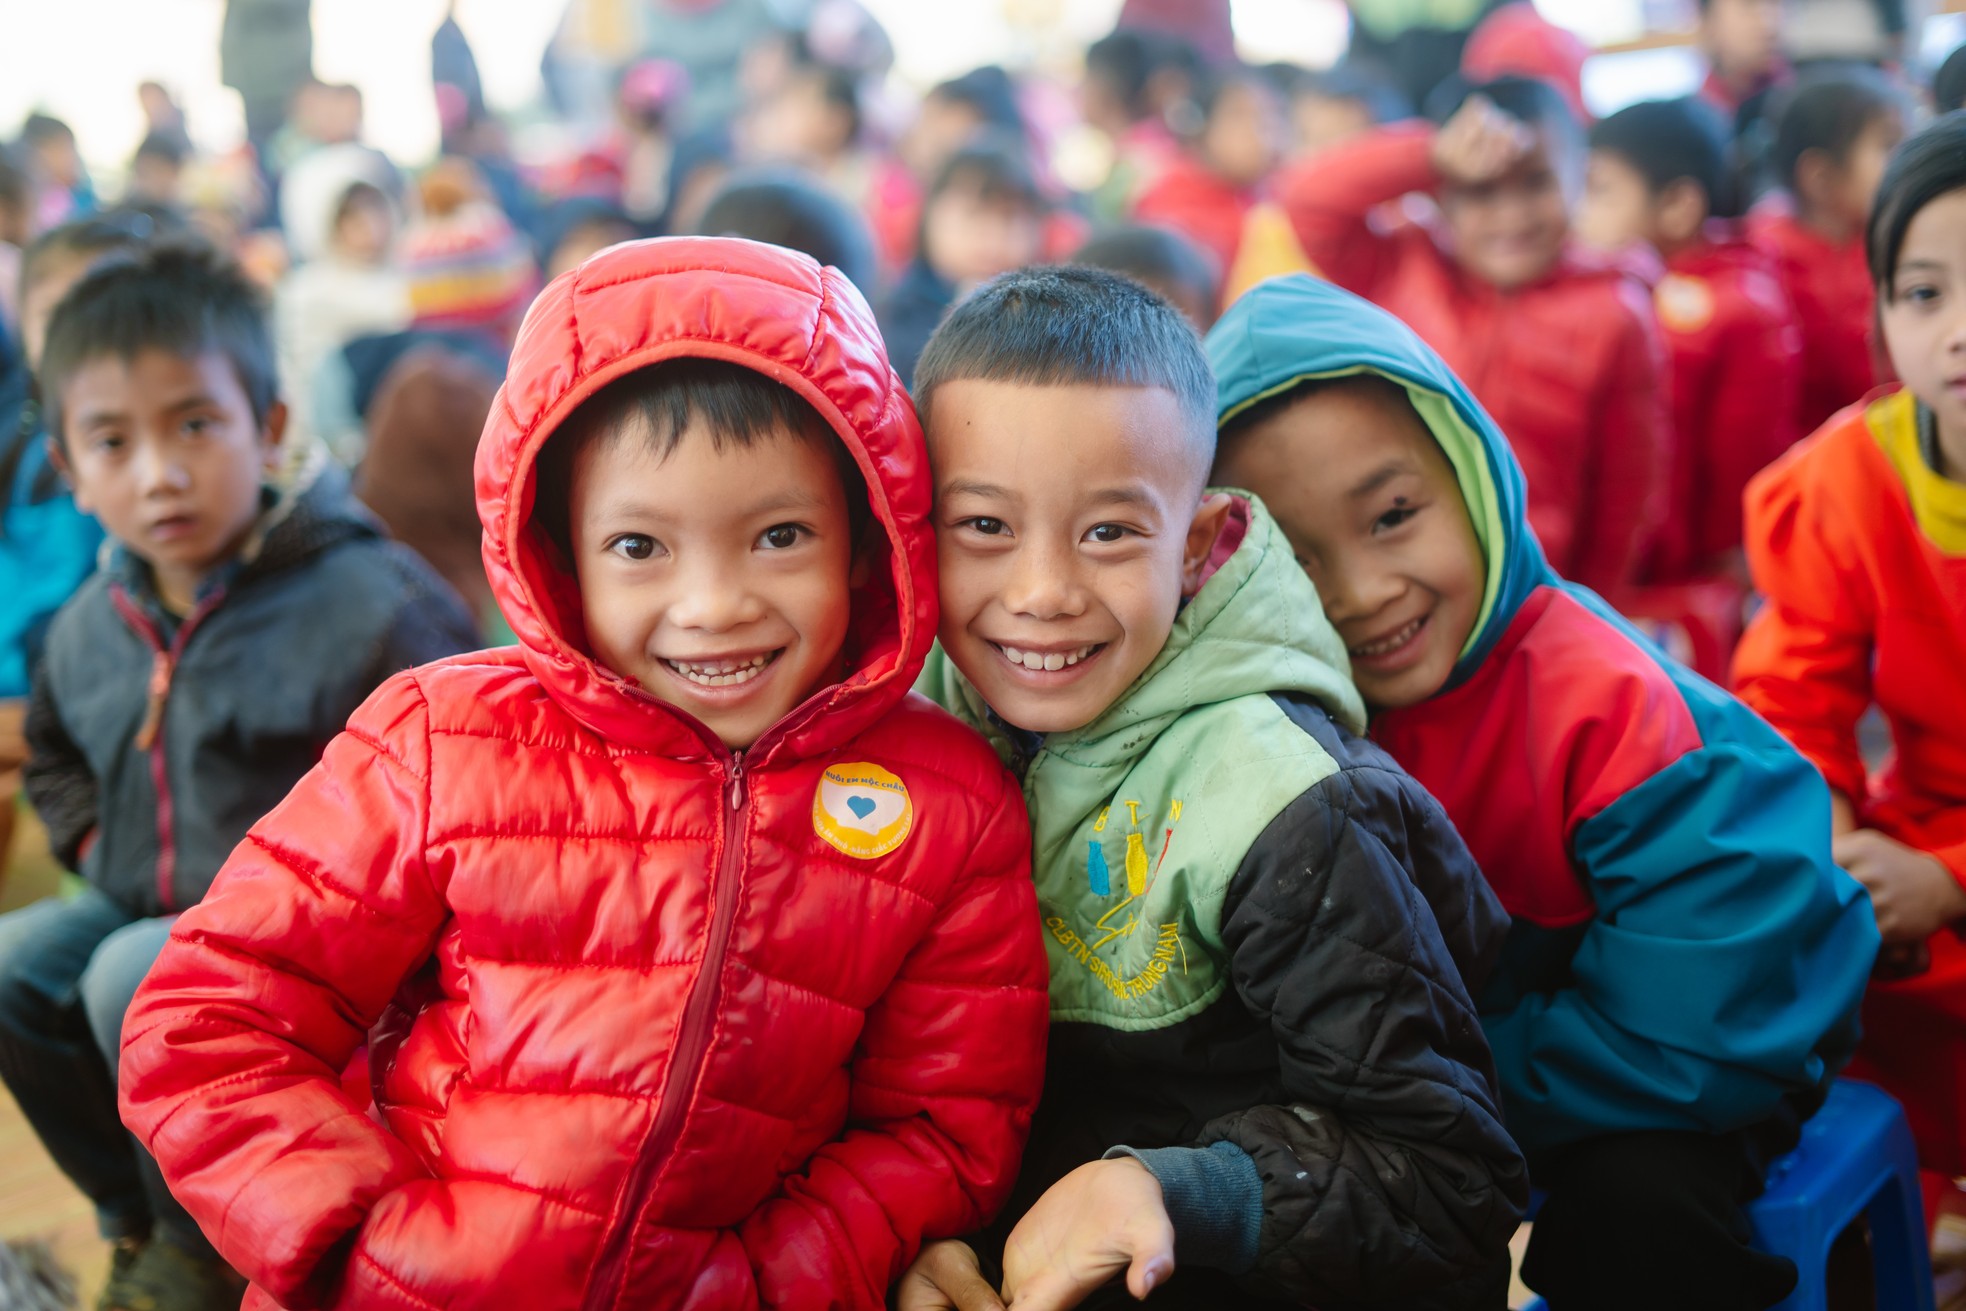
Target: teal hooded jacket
1684 953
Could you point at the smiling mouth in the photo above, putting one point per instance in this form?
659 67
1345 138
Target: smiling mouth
722 673
1045 662
1390 643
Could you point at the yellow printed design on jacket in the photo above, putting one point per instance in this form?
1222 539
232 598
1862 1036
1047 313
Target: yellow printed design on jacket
862 810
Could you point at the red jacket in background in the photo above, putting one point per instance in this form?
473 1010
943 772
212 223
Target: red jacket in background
1830 287
660 1026
1570 367
1863 608
1188 197
1735 351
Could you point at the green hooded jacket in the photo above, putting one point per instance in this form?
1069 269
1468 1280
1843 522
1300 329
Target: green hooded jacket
1257 929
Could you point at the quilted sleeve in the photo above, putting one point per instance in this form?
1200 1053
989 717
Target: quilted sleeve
1805 660
1387 1177
946 1076
1330 198
234 1046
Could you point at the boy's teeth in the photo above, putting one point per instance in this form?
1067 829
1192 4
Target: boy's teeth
1392 643
721 673
1049 661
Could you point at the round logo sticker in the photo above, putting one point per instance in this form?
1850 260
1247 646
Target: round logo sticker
1685 304
862 810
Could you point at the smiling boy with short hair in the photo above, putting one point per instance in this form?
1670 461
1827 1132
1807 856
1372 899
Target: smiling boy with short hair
1681 979
697 960
1265 1083
185 688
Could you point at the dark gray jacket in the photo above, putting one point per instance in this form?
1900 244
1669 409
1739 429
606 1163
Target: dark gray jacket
241 695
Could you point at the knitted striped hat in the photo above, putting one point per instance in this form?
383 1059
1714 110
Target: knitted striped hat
467 267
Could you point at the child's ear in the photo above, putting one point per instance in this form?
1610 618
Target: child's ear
1203 529
1814 172
59 459
272 432
1682 210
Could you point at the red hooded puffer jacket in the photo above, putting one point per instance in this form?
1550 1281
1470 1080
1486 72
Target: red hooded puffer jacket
654 1042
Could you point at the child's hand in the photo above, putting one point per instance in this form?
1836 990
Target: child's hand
1913 894
945 1277
1479 143
1103 1219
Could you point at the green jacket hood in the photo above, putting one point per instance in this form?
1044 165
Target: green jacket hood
1296 329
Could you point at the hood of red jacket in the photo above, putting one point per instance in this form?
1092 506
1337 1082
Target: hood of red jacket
762 307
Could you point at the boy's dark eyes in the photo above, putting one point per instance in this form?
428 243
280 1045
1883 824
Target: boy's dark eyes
1394 517
1923 293
1108 532
782 536
985 525
633 546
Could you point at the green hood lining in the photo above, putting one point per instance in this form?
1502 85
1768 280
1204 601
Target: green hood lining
1465 450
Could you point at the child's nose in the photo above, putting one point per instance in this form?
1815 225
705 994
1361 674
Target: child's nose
1042 584
713 599
158 472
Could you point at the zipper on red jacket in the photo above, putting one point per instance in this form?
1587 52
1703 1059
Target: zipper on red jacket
150 733
692 1045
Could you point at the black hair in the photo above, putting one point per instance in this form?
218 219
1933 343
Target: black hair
109 233
1828 110
1216 83
1530 101
990 93
1930 164
178 295
16 188
171 147
38 129
996 168
787 208
839 89
1154 255
1667 140
1262 411
1128 61
1359 80
358 194
740 407
1066 325
1949 83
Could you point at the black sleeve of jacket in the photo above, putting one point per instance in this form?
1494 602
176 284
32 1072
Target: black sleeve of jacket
432 624
57 778
1388 1178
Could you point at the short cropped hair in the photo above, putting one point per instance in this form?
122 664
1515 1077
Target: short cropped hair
1667 140
1154 255
787 208
1829 111
1930 164
740 407
178 295
1949 83
1067 325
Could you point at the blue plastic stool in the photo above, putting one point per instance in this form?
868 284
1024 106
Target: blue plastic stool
1855 1158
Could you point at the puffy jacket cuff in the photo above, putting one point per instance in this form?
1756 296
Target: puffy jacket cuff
1214 1199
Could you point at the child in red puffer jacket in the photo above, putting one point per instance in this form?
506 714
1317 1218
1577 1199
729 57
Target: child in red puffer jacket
698 962
1658 177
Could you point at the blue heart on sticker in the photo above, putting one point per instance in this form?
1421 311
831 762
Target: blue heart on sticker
860 806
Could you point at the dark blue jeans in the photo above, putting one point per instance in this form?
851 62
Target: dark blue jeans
68 970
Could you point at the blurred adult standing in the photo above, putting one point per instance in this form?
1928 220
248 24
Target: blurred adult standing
265 53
